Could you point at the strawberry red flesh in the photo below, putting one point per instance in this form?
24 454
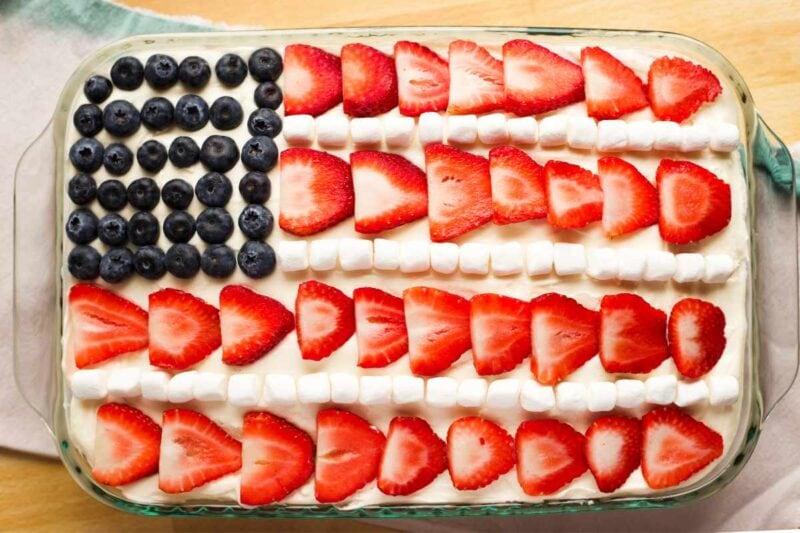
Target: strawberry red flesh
325 319
696 333
476 79
612 89
369 81
633 334
549 455
413 457
677 88
630 202
380 327
500 331
613 450
574 196
126 445
423 79
312 80
478 452
518 189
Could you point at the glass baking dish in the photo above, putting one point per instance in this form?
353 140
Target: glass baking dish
770 366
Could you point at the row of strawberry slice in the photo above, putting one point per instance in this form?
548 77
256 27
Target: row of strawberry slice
529 80
276 457
434 327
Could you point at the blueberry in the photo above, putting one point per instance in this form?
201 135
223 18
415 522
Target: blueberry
265 64
150 262
97 89
121 118
143 194
161 71
264 121
177 194
117 159
194 72
255 187
256 221
214 225
183 260
179 226
256 259
88 120
259 153
157 113
82 189
184 152
84 262
127 73
231 70
267 94
116 265
191 112
152 156
112 230
143 228
214 189
226 113
82 226
86 154
218 261
112 195
219 153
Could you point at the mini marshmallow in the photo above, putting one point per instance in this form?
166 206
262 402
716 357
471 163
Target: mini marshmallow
444 257
125 382
210 387
507 259
430 128
292 256
724 137
667 135
332 130
523 130
387 254
553 131
344 388
366 131
181 387
723 390
689 267
539 258
503 394
415 256
89 384
314 388
602 396
632 264
612 135
571 396
719 268
375 390
298 129
322 254
492 128
155 385
582 133
408 389
661 390
398 131
279 389
641 136
462 129
694 138
244 390
355 254
473 258
602 263
471 392
442 392
569 258
537 398
691 393
660 266
630 393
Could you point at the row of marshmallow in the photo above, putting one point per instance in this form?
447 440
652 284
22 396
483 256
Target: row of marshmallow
507 259
583 133
251 390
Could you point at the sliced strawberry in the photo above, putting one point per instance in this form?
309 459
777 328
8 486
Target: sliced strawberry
518 191
478 452
126 445
369 81
325 319
312 80
696 333
630 202
612 89
423 79
500 327
316 191
349 453
633 334
390 191
613 450
438 329
476 79
251 324
677 88
694 203
537 80
277 458
675 446
564 336
459 191
184 329
103 325
380 327
574 196
194 451
549 455
414 456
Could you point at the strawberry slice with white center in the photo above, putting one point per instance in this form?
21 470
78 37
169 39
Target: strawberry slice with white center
369 81
252 324
312 80
500 327
478 452
459 191
277 458
438 329
612 88
413 457
325 319
675 446
126 445
184 329
564 336
630 202
677 88
693 202
316 191
537 80
103 325
194 451
574 196
423 79
613 450
518 190
476 79
549 455
380 327
633 334
696 334
390 191
349 453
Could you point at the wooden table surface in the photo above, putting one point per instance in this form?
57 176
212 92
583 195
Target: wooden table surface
761 38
